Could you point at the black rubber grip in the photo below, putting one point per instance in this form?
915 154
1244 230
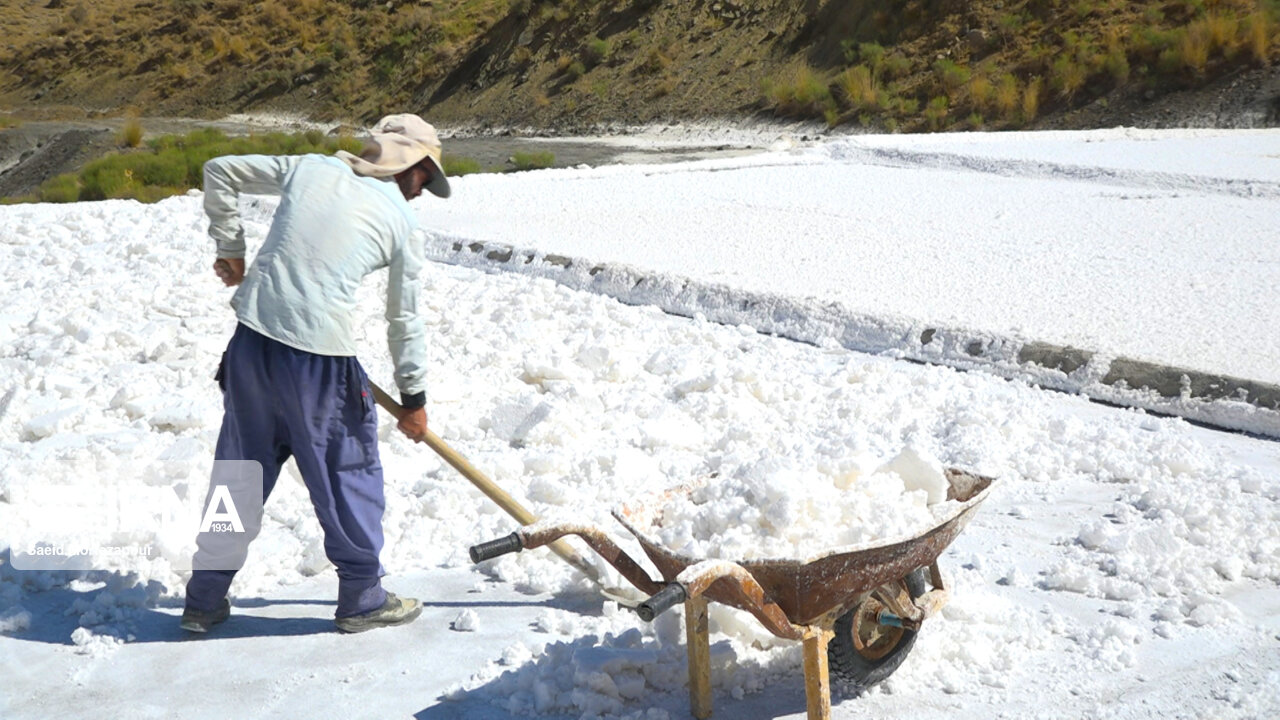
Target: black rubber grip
492 549
663 600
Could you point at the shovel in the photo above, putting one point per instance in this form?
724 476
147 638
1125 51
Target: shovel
495 493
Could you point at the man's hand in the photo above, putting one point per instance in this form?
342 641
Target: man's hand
413 423
231 270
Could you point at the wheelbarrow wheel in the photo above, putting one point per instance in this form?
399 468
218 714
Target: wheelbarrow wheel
863 652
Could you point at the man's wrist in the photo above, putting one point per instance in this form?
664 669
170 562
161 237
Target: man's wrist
414 401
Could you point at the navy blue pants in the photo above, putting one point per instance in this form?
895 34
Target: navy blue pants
279 402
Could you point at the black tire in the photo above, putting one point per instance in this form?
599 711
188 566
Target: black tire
882 653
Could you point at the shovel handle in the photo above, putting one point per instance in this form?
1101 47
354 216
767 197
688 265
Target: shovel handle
486 486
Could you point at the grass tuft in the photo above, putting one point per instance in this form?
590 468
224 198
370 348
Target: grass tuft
532 161
458 166
859 87
1006 96
801 92
131 133
172 164
936 112
1031 100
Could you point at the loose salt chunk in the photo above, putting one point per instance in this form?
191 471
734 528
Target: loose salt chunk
49 423
467 621
920 471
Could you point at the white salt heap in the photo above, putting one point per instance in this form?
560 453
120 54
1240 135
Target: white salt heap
1127 567
775 508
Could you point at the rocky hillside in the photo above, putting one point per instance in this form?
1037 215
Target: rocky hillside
573 64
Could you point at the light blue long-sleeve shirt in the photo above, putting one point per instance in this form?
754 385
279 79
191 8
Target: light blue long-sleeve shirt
332 228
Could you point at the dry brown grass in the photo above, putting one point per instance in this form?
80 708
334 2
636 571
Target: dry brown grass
1193 48
981 91
1006 96
131 132
800 91
1257 38
859 87
1031 100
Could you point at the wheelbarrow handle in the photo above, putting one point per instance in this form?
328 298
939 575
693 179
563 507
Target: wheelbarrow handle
495 548
663 600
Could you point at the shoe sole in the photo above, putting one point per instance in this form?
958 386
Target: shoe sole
194 627
353 628
198 627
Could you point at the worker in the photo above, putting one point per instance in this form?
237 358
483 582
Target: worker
290 381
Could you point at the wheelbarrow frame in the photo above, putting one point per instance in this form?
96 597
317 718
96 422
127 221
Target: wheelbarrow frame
796 599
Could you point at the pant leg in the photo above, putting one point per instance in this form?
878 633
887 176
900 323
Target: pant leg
251 430
333 432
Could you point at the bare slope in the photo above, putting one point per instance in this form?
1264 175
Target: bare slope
920 64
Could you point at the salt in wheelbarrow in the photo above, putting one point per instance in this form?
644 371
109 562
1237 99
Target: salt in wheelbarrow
855 609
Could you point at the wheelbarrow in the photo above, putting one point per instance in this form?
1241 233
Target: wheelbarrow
855 609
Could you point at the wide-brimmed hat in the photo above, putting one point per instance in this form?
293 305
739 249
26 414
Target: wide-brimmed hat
397 143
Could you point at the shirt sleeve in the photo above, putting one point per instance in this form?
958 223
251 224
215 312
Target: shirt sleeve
225 178
406 334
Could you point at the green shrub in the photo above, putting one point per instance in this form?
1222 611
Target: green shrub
801 92
1067 76
597 50
895 65
533 161
172 164
1117 65
60 189
872 54
936 112
108 177
455 166
167 169
1009 24
952 76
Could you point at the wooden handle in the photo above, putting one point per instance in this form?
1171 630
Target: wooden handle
486 486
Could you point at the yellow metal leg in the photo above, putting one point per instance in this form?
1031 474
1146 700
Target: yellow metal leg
817 680
699 644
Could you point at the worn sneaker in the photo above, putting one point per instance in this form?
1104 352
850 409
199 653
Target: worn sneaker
395 611
199 621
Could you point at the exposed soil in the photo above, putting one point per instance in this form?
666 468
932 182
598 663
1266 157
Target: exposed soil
1246 99
33 153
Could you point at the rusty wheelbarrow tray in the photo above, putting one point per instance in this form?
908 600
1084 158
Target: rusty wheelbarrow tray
867 597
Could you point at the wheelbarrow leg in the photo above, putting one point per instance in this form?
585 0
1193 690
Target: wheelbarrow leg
817 679
698 642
